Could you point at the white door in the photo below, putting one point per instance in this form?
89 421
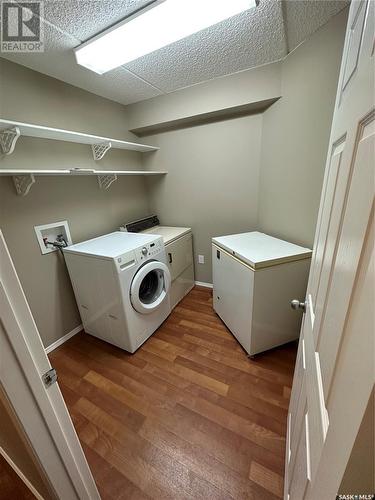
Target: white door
40 408
335 364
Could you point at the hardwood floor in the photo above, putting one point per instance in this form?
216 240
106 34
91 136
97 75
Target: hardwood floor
187 416
11 485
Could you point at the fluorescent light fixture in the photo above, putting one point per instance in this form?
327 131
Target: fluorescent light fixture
154 28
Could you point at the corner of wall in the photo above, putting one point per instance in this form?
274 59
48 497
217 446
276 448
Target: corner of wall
296 133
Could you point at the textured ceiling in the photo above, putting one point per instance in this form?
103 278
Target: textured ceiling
249 39
303 18
259 36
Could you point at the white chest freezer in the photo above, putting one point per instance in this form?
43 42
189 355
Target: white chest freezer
255 277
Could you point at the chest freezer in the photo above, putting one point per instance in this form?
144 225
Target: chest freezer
255 277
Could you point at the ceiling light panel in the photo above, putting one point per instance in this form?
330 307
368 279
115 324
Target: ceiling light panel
153 29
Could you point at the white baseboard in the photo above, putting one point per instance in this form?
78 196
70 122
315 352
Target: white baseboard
63 339
202 283
20 474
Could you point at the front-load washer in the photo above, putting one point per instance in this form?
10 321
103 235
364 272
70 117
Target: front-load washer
122 284
178 243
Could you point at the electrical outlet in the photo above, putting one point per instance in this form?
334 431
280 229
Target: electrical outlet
200 259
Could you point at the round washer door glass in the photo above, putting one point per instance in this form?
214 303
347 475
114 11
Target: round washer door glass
150 287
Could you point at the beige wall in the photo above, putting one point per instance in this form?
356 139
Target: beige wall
359 476
214 169
212 184
14 443
29 96
295 136
246 87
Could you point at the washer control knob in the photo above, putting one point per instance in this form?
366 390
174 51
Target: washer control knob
144 251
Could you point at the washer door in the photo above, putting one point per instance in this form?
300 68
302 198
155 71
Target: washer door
150 287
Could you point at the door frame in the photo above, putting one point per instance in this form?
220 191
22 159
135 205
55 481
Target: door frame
41 410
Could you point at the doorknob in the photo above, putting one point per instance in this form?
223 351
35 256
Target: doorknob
296 305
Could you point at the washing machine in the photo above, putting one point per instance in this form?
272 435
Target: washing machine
122 285
178 243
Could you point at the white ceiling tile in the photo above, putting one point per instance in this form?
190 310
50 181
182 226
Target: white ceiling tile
250 39
247 40
86 18
304 17
59 62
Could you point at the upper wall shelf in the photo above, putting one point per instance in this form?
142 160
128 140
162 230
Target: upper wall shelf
24 178
78 171
11 130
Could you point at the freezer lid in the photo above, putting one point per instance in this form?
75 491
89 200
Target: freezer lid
260 250
168 233
111 245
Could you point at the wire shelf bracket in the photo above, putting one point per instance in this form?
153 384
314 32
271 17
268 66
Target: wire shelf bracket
8 139
99 150
106 180
23 183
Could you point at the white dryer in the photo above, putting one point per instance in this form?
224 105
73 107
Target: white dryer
122 284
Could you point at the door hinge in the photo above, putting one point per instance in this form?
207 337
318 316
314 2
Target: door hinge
49 377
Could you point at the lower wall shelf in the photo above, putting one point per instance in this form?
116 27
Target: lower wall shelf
25 178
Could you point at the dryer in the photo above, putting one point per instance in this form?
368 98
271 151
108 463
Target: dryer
178 243
122 284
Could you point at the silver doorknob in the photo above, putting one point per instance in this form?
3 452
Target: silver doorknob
297 305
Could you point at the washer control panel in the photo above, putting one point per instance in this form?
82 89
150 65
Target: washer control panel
149 250
135 257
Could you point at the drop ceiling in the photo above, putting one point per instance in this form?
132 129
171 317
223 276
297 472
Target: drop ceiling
259 36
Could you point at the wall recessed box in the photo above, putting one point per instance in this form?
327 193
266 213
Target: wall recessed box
51 232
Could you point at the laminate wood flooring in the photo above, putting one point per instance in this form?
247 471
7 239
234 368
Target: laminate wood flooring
187 416
11 485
